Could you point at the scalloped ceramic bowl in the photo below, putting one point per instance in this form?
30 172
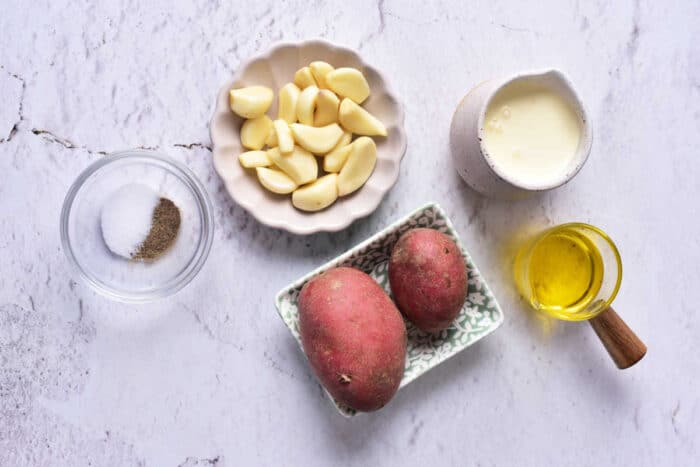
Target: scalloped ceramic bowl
275 68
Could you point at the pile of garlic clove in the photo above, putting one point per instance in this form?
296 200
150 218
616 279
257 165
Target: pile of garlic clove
317 116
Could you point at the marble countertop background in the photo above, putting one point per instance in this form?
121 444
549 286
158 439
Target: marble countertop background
211 376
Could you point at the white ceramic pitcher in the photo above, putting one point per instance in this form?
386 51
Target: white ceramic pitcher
473 162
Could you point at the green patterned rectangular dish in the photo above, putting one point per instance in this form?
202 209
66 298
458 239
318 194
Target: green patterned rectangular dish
479 317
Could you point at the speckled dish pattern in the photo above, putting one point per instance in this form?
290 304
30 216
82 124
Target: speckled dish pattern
275 68
479 316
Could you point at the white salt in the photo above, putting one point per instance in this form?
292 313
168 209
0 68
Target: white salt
126 218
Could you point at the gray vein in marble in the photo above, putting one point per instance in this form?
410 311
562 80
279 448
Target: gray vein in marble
633 41
201 323
217 327
193 146
516 29
67 143
415 432
404 19
585 23
51 137
81 310
197 462
47 282
630 50
225 64
20 109
673 417
380 27
276 366
264 14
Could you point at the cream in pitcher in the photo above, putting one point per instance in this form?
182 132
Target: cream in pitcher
531 132
519 135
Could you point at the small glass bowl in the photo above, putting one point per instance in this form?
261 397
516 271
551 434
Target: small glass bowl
132 280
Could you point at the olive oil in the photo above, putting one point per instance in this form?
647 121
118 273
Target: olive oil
560 273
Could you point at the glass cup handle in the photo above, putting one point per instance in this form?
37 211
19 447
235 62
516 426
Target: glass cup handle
623 345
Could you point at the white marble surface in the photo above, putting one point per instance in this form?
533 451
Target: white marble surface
211 376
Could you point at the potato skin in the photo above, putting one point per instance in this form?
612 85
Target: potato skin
353 336
428 278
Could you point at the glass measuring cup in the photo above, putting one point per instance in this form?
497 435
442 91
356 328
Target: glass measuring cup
570 271
573 272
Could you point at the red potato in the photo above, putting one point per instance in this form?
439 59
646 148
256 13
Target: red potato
428 278
353 336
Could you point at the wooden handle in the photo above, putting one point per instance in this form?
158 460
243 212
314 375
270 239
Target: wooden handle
619 340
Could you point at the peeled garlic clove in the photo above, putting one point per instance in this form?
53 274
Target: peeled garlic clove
300 165
250 102
303 78
357 120
348 82
306 104
251 159
288 97
327 104
285 141
334 160
358 167
318 140
271 140
319 70
255 131
343 141
337 158
317 195
275 180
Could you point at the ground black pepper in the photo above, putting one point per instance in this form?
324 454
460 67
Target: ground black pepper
164 229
